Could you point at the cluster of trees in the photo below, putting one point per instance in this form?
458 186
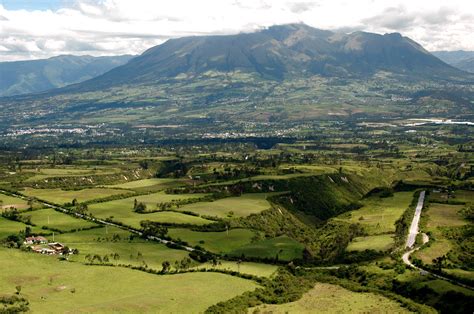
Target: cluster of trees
96 258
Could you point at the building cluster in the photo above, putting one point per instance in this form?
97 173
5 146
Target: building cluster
39 244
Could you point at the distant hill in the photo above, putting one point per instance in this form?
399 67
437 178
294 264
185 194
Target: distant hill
22 77
282 74
279 52
460 59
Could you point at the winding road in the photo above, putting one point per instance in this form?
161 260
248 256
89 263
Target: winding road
411 242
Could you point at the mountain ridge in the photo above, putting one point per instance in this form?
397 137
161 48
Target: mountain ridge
36 76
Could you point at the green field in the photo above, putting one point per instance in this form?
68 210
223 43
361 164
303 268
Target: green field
443 215
464 196
256 269
217 242
380 242
7 202
150 200
50 285
8 227
59 196
130 218
45 173
110 241
378 215
283 246
440 215
327 298
147 184
48 217
232 206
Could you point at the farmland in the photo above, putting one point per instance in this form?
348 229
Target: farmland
73 287
314 223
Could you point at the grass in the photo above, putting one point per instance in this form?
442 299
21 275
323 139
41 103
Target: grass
328 298
380 242
439 215
60 196
217 242
286 248
46 173
232 206
464 196
256 269
48 217
150 200
443 215
128 217
378 215
8 227
50 285
7 202
111 241
148 184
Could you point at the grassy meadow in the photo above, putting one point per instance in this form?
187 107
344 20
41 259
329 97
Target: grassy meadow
59 196
49 285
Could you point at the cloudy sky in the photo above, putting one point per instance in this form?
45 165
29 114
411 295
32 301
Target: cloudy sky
39 28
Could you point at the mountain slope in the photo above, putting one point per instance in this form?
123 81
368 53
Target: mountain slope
460 59
22 77
283 74
278 52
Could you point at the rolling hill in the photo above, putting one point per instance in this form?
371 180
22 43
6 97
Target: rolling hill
23 77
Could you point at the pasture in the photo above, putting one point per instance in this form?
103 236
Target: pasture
8 227
380 242
150 200
130 218
444 215
153 184
72 287
116 245
328 298
7 202
378 215
229 207
216 242
256 269
50 218
283 247
59 196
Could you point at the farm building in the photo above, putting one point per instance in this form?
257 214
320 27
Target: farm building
36 240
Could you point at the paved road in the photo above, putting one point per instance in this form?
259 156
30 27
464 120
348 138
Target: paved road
100 221
411 242
416 219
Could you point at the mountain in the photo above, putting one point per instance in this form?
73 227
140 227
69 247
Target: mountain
463 60
283 74
460 59
466 65
23 77
279 52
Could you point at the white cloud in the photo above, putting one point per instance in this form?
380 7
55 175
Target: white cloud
131 26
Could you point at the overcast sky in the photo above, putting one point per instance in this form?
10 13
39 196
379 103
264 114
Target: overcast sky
38 28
